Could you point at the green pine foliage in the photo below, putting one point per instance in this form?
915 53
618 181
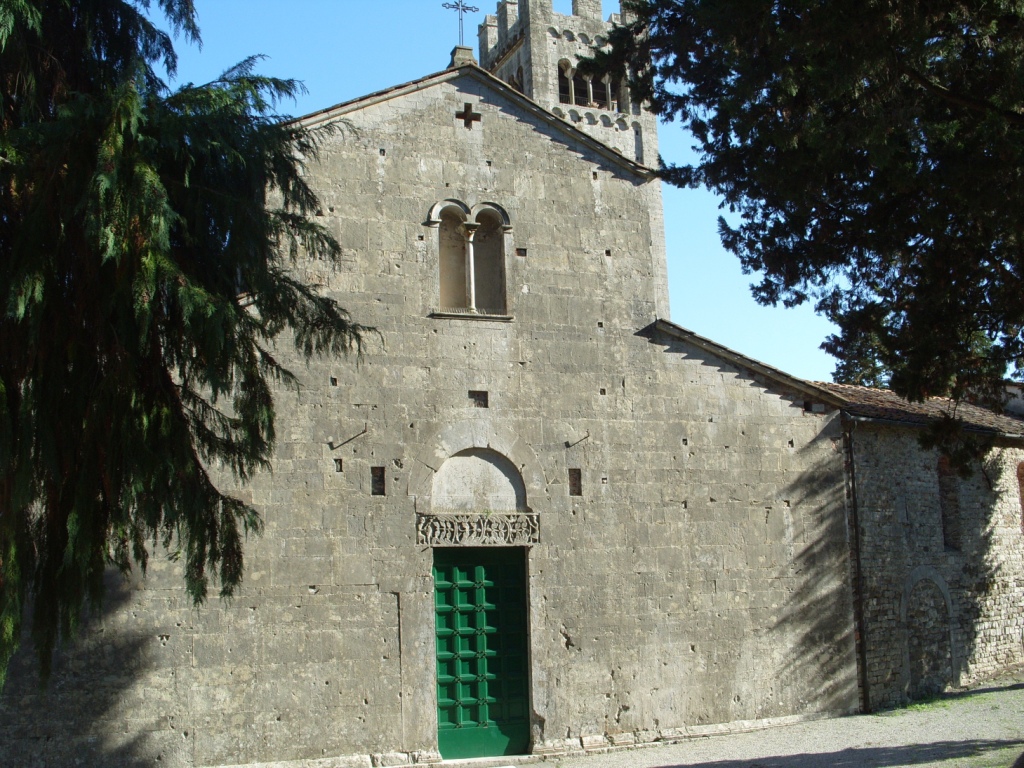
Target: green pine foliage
874 154
146 237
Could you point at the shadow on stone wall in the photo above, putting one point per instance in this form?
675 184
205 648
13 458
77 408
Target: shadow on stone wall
818 618
926 605
87 715
932 592
937 585
929 654
974 573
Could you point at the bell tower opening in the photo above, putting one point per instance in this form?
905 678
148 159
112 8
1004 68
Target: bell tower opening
534 46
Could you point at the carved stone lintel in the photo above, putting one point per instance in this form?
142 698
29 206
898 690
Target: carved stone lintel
496 529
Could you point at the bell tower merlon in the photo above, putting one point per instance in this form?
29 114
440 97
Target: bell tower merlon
536 50
587 9
508 15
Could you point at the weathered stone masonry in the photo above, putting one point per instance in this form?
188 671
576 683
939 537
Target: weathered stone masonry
935 615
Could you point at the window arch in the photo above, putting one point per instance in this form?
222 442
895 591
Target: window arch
452 261
564 84
602 97
478 480
638 142
489 264
471 257
580 85
602 91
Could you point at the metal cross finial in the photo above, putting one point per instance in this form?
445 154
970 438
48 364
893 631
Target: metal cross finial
462 8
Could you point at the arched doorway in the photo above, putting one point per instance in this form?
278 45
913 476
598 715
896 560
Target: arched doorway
482 660
483 703
928 639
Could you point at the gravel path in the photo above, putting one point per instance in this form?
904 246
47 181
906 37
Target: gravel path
980 728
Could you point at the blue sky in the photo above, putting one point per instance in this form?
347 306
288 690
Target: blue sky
342 49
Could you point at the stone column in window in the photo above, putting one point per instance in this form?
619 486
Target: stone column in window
471 228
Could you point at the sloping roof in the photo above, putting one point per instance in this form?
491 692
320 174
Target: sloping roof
863 402
474 71
781 378
883 405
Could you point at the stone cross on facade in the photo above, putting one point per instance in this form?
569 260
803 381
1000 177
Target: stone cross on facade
468 116
463 9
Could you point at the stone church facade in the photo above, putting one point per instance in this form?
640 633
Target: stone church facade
538 517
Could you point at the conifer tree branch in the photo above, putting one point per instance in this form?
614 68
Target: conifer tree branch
128 214
1015 118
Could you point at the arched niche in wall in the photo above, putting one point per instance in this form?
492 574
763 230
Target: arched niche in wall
472 487
927 620
478 480
638 142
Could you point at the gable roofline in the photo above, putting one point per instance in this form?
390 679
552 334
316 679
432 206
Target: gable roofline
772 374
882 406
486 78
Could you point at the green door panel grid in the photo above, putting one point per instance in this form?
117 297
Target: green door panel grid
482 675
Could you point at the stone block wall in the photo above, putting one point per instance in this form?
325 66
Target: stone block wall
936 616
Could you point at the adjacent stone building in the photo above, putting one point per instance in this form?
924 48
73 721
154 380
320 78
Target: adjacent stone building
537 517
938 558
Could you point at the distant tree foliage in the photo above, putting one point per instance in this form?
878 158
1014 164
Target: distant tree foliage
874 152
145 241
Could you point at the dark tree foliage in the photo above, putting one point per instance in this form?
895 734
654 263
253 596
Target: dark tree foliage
132 218
874 152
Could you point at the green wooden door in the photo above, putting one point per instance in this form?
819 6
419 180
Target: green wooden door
482 690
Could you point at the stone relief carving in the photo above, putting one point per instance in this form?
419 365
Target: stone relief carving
478 530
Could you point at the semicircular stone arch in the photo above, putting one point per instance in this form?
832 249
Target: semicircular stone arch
478 481
929 653
450 206
488 210
455 438
473 485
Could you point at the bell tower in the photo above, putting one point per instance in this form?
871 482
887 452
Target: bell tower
535 50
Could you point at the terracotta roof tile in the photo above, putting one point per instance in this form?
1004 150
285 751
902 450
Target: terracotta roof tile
888 406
